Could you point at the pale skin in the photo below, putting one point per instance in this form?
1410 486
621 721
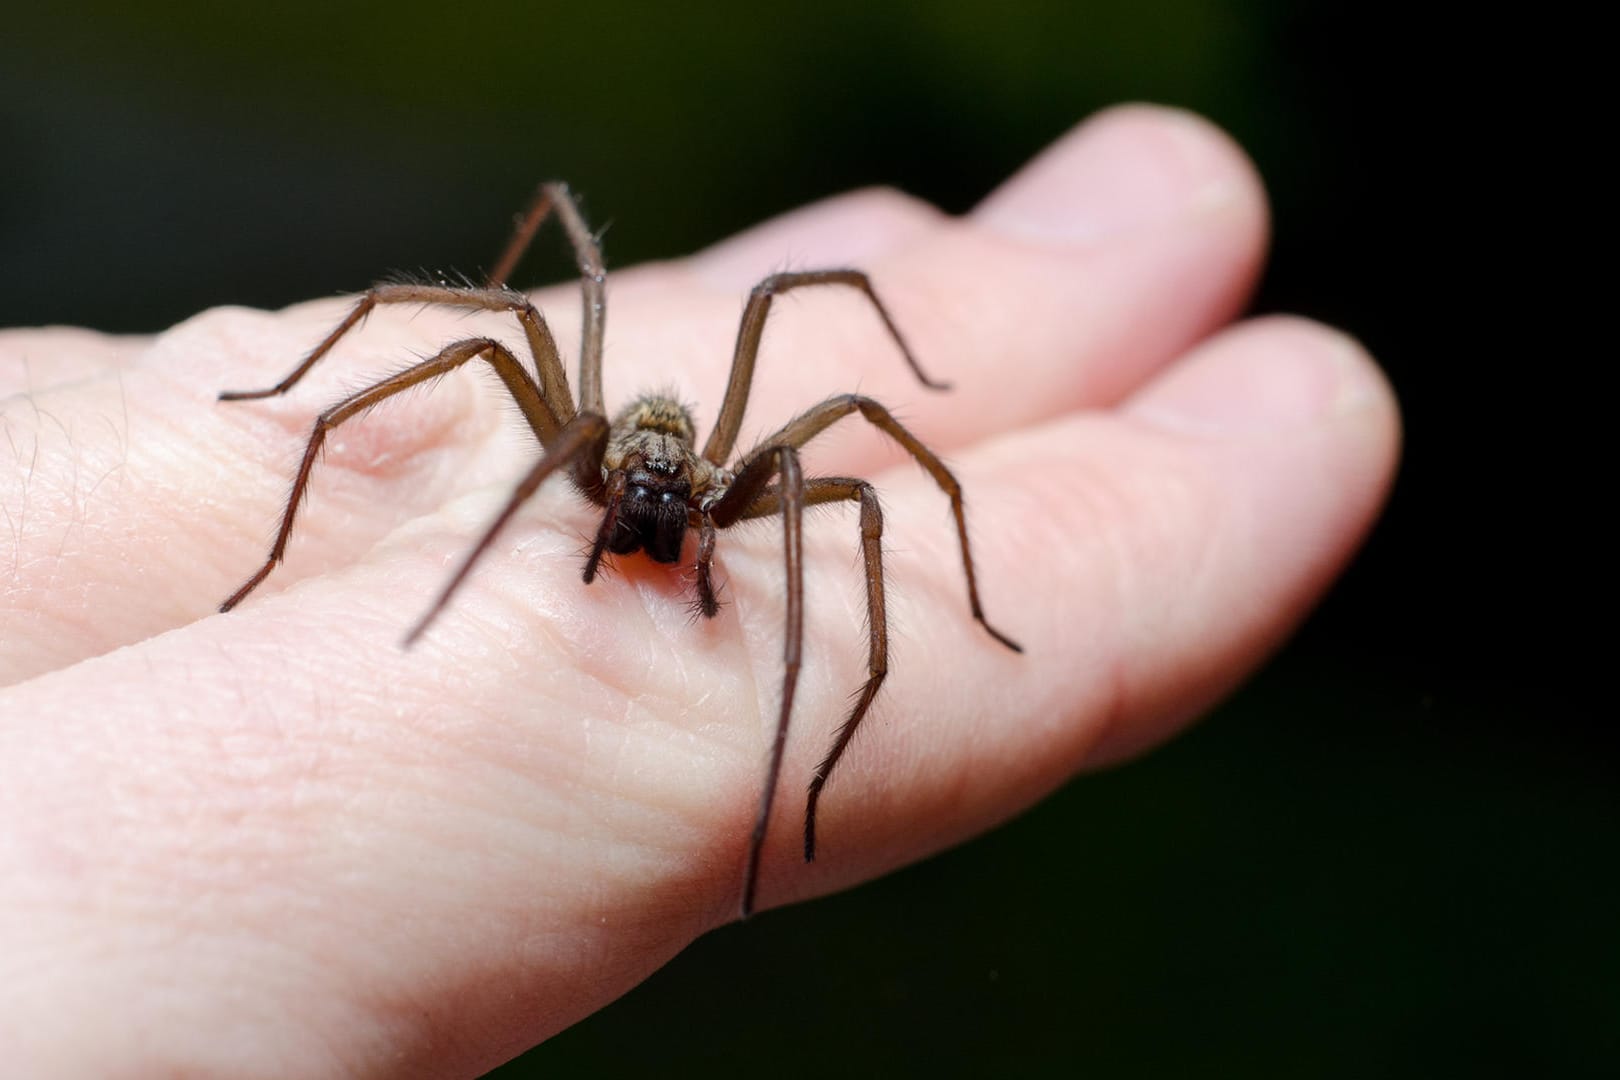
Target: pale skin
273 843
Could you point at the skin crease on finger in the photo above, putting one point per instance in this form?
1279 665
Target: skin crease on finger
346 798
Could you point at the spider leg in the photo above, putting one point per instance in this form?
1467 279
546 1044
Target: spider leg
723 439
593 278
536 410
790 497
708 597
580 446
826 489
542 346
750 497
612 496
738 501
527 224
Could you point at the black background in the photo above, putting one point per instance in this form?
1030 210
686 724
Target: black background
1391 853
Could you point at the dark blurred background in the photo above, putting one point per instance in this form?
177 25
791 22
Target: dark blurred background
1392 853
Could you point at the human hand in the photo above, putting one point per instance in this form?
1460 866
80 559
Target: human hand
272 842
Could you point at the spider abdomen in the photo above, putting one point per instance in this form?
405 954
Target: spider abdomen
657 412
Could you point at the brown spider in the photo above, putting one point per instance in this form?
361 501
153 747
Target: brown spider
643 468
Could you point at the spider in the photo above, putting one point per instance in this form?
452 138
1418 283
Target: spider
642 467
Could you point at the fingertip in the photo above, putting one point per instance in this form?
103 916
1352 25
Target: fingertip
1123 170
1267 375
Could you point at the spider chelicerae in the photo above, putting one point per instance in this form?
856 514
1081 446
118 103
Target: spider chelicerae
643 467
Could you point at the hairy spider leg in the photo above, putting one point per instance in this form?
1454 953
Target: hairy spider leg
580 446
547 406
530 400
788 496
723 439
554 195
812 422
829 489
542 346
613 497
708 597
749 497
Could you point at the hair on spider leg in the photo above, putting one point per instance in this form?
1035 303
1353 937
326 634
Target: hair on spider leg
452 278
401 276
698 611
607 564
353 386
449 279
642 467
706 596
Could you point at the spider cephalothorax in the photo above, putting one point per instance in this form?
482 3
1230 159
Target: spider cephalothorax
643 468
650 442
